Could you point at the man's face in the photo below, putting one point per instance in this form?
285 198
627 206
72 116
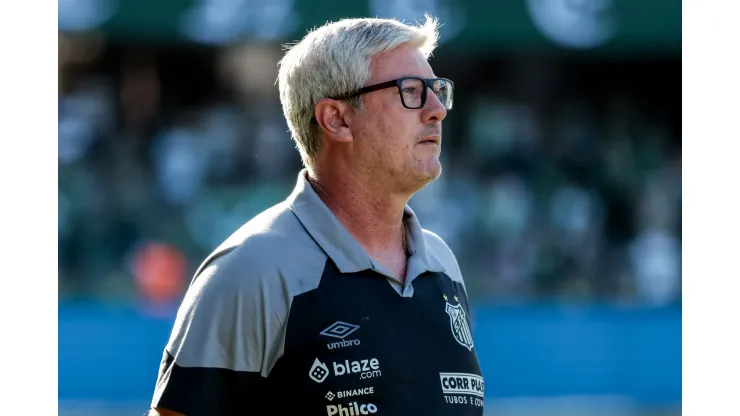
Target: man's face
396 144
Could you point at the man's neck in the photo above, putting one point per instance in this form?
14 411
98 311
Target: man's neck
373 216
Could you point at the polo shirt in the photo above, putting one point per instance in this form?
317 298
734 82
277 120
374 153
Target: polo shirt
290 315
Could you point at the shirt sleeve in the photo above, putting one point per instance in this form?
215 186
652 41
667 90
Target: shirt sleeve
228 333
449 261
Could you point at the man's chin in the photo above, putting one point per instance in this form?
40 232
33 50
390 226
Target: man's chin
428 173
434 168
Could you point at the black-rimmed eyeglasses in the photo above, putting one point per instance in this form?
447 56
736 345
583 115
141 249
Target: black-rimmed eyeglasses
413 91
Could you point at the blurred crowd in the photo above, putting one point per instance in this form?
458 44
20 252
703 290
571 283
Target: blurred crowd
559 183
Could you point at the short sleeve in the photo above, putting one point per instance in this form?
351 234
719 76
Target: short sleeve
227 335
445 255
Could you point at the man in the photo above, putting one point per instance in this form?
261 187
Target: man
336 301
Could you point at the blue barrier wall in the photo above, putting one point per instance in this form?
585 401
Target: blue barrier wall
112 353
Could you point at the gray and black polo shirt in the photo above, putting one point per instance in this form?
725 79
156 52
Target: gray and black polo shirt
291 316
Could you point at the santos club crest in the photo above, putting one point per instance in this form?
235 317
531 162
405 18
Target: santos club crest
459 325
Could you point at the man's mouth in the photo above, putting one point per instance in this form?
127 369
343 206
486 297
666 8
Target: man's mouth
430 140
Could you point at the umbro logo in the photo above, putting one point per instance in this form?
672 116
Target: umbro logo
341 330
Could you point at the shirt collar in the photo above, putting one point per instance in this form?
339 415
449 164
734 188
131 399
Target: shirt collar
339 245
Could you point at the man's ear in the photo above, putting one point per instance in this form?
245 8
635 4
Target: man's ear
333 119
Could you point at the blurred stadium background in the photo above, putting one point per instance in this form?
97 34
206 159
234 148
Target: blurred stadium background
561 191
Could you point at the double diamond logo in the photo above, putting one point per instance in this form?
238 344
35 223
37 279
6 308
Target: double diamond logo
330 396
339 330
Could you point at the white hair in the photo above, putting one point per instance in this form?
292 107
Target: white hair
335 59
